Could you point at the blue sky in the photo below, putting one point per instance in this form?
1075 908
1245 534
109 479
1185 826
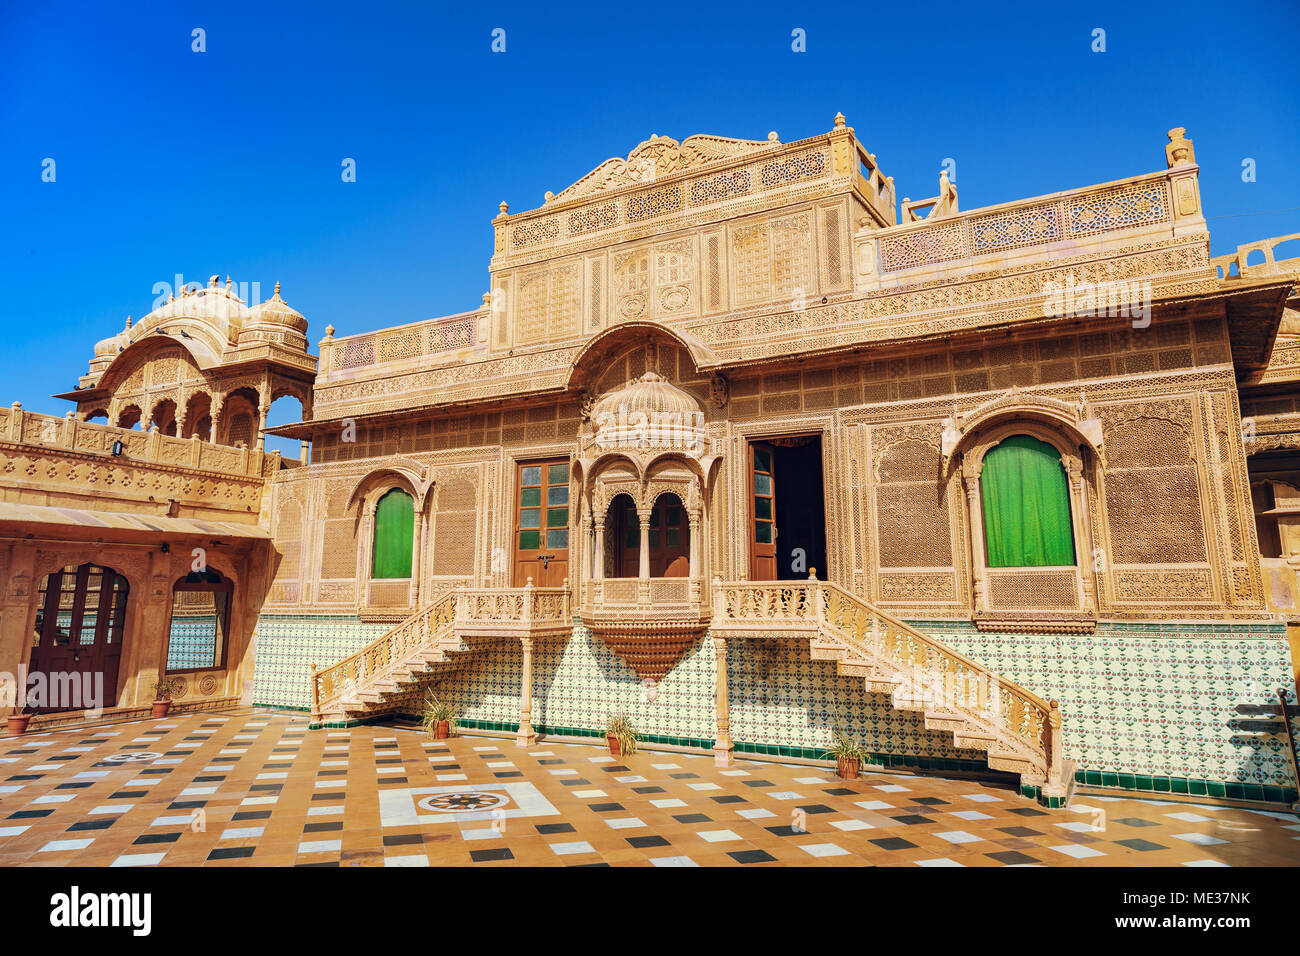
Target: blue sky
228 161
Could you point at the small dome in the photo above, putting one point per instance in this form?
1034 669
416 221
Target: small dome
648 412
276 312
652 394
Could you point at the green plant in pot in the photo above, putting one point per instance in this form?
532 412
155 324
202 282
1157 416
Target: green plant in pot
439 718
621 735
162 695
849 755
18 720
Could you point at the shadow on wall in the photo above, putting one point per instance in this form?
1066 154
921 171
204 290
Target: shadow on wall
1260 738
780 696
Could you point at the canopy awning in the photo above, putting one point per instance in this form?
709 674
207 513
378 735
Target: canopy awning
30 519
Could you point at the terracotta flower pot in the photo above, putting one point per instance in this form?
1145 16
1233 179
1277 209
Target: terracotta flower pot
847 769
442 731
615 749
161 707
18 724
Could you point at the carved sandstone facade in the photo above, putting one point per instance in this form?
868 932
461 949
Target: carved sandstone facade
729 447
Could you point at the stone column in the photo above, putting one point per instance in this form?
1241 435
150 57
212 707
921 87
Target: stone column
643 571
598 550
722 745
695 524
971 477
1082 555
17 562
526 736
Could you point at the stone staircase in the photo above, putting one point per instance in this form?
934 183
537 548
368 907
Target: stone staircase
1018 731
379 677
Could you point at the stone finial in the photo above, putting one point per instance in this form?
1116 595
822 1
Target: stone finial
504 207
772 137
128 324
329 331
212 281
487 298
228 282
549 196
1179 152
277 287
839 120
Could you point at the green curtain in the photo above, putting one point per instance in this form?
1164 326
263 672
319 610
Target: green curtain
1026 505
394 534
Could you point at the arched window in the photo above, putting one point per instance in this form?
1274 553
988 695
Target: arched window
394 535
200 622
1026 505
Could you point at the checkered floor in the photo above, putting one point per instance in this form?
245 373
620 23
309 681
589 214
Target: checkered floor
251 787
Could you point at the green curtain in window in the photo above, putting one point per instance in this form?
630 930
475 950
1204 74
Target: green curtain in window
394 534
1026 505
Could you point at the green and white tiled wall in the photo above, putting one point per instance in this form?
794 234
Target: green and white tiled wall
1146 706
286 645
1156 701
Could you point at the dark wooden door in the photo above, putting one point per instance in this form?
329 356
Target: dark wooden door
542 523
670 539
763 530
79 626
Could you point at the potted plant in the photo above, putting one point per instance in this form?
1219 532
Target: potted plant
162 696
621 735
849 755
18 720
439 718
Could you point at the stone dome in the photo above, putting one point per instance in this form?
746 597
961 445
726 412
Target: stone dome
274 321
648 412
651 393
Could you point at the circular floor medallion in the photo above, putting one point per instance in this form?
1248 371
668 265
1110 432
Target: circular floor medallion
133 757
463 802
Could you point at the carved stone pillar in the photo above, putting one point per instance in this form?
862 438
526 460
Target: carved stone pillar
693 516
526 736
598 550
261 428
1083 555
643 572
971 477
722 745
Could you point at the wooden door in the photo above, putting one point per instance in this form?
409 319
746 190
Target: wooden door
763 530
79 627
542 523
670 539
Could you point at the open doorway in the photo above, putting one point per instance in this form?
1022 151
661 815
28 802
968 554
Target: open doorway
787 508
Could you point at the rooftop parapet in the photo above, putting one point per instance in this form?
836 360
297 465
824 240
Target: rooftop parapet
1078 221
70 434
664 185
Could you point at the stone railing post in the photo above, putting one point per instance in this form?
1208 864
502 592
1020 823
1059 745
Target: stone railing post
719 600
722 744
1053 746
315 694
526 736
528 603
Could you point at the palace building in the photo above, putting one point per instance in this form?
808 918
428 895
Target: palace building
739 445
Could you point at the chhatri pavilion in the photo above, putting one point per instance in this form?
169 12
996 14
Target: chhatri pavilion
738 444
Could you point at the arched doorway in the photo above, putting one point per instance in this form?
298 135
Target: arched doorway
77 639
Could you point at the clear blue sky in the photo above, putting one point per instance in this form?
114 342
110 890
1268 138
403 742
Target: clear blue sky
228 161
